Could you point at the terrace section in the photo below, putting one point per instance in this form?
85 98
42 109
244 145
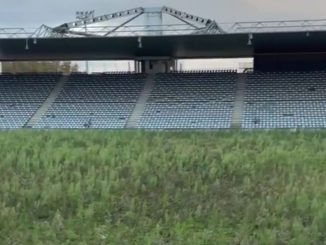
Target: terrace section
21 96
285 100
94 101
190 101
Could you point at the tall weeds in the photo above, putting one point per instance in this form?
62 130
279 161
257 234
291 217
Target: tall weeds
97 187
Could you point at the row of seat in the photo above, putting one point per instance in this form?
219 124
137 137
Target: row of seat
177 100
122 88
95 101
21 95
191 100
285 100
82 121
204 87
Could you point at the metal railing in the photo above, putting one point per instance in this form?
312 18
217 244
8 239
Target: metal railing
15 32
275 26
168 29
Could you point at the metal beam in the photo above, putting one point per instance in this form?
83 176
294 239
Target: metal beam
188 23
188 18
123 24
194 25
185 16
83 34
75 24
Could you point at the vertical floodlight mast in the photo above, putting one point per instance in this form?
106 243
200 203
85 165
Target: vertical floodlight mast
85 17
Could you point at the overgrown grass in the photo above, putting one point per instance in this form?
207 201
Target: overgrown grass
162 188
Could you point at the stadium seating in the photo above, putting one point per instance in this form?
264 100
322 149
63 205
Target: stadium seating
21 95
180 100
285 100
190 100
95 101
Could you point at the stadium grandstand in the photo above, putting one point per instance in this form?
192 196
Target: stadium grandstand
285 87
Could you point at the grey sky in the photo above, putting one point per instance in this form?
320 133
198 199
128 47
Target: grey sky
33 13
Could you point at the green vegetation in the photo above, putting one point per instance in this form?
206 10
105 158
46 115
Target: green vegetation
95 187
39 66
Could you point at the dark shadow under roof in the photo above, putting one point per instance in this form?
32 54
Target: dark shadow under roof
161 47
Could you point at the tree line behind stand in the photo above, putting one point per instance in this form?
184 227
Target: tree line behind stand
39 66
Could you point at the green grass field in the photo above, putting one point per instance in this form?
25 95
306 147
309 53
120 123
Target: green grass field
95 187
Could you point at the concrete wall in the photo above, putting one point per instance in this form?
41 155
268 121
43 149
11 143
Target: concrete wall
158 66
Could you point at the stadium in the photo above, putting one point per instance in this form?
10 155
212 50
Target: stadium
285 88
158 154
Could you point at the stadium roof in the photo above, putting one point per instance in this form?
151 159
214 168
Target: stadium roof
125 23
163 47
96 38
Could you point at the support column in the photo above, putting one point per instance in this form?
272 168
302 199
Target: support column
138 65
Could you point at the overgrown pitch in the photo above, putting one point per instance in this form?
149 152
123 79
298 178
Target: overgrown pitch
88 187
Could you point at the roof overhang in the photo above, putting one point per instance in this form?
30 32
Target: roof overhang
178 47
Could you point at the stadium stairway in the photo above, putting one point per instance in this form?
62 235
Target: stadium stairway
134 119
47 103
238 106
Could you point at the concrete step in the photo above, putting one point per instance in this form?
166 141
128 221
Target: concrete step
238 107
134 119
